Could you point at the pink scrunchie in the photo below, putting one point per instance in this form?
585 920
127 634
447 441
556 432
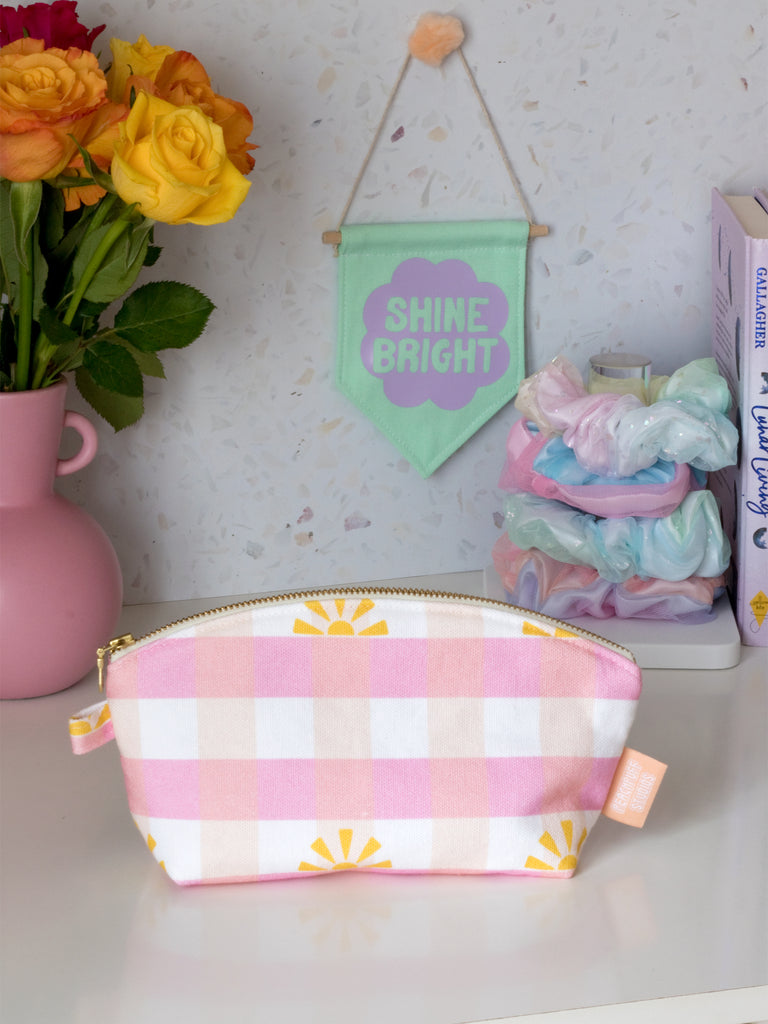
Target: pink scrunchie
534 580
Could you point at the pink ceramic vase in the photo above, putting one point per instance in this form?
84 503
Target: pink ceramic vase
60 582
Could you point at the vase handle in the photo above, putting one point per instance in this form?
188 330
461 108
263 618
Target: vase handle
87 432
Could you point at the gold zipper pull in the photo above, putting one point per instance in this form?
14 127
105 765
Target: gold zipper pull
103 653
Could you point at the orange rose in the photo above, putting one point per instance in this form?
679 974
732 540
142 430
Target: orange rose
49 101
100 144
183 81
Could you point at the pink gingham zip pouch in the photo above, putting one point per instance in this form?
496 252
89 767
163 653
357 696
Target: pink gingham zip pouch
386 731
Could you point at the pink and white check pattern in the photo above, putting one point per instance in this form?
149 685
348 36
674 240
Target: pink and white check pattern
454 739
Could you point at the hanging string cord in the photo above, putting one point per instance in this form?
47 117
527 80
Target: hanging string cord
376 138
502 151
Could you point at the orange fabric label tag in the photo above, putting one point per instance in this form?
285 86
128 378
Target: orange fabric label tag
634 788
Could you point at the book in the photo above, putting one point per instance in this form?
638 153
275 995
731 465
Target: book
740 348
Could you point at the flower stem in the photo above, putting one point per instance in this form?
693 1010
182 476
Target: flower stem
24 328
43 352
100 214
92 268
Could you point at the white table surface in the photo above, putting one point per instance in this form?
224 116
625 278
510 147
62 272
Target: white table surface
663 924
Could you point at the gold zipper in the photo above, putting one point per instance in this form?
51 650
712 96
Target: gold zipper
103 653
120 643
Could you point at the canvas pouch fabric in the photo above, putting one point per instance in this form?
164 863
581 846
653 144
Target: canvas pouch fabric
431 328
379 730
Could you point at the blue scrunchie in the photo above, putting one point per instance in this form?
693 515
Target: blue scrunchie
689 542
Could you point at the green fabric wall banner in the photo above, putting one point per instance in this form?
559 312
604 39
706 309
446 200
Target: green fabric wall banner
431 329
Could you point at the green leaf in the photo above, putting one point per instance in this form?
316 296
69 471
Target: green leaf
91 310
11 236
163 314
100 177
56 332
69 181
119 268
76 225
153 255
39 275
139 244
147 362
113 368
118 410
8 258
26 197
52 219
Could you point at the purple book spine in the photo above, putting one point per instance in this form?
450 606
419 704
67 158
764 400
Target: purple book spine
740 347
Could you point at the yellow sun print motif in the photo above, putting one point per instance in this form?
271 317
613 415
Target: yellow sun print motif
344 863
567 859
90 722
152 843
340 618
529 629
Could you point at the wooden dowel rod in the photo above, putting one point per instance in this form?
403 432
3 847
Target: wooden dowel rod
535 231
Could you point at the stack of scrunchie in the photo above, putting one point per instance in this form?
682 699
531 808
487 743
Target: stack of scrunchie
607 511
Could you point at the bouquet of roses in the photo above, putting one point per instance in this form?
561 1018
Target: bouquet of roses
89 162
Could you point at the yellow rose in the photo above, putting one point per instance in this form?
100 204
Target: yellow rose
50 100
140 58
173 162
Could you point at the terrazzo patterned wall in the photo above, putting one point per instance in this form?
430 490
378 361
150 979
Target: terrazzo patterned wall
249 470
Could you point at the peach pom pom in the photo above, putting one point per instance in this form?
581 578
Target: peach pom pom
435 36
